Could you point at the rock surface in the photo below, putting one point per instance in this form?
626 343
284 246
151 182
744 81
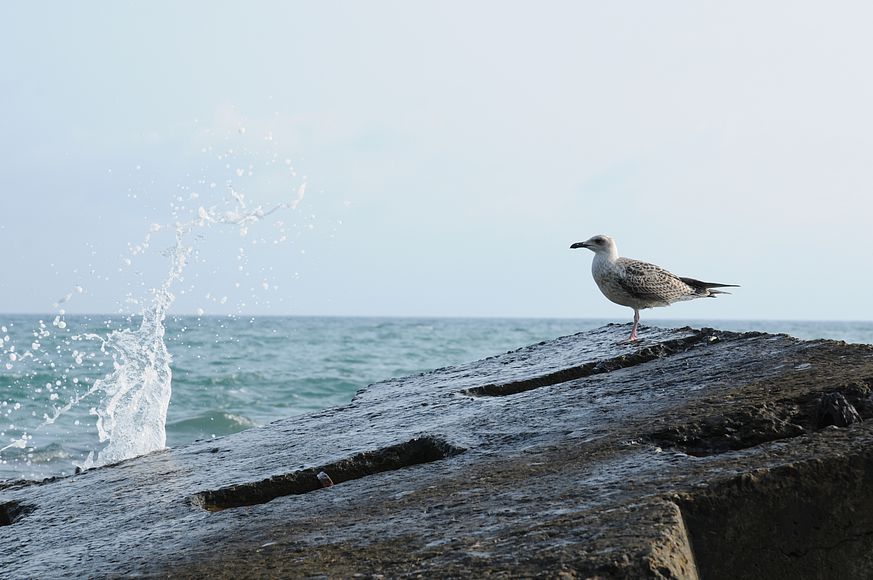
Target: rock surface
693 453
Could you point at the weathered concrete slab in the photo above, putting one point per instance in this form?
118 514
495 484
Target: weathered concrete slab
691 454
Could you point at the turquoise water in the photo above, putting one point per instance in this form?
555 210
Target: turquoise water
231 373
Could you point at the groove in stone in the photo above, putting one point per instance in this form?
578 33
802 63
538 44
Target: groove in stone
641 356
414 452
752 425
12 511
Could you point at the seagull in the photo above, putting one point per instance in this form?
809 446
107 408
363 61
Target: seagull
640 285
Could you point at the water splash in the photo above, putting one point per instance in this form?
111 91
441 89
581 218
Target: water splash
120 366
132 415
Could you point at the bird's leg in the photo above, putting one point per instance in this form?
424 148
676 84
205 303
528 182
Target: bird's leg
633 335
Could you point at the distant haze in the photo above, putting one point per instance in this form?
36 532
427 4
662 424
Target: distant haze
441 156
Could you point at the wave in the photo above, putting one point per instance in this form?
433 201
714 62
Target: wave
207 424
35 455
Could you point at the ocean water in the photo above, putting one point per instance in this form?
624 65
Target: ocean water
235 373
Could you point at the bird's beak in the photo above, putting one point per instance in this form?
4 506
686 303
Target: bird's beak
578 245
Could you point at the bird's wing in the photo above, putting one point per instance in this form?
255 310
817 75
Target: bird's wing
650 282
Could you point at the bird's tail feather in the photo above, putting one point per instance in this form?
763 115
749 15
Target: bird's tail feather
707 287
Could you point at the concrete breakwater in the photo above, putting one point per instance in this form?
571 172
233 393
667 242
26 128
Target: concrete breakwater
692 453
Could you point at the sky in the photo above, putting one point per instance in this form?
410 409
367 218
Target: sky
435 158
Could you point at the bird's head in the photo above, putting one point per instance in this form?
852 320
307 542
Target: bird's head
598 244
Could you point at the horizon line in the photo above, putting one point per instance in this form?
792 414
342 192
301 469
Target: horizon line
430 317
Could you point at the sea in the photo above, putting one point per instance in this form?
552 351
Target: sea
63 379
